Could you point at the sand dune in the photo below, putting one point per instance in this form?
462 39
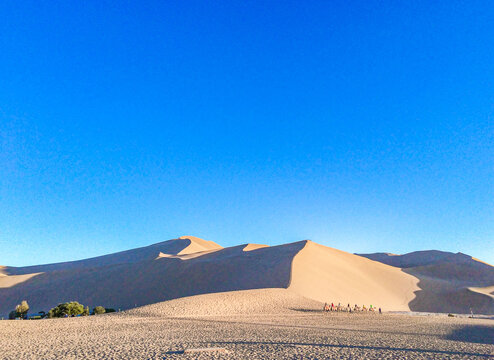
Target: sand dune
185 256
12 280
488 290
416 258
154 279
250 247
327 274
197 245
190 266
259 301
448 281
182 245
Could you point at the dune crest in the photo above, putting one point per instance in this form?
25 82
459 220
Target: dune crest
488 290
192 247
251 247
197 245
12 280
186 256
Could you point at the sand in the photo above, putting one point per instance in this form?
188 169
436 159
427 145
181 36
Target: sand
189 266
12 280
272 324
326 274
448 282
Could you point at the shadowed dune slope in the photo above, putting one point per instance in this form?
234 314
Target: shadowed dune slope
182 245
197 245
327 274
416 258
250 247
488 290
129 284
447 287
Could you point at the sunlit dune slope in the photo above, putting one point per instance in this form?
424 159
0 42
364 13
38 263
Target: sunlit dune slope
268 301
327 274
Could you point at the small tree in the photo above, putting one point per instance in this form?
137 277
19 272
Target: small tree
75 308
99 310
22 309
66 309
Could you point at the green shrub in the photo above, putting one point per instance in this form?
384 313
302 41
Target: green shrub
99 310
12 315
451 315
109 310
22 309
86 311
66 309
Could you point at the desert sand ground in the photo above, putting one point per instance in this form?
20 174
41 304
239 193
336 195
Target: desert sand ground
256 324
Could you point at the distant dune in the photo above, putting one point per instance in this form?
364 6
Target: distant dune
416 258
182 245
449 282
187 266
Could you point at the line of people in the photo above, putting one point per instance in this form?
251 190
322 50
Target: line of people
348 308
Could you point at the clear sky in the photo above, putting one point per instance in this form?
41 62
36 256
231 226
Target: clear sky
365 126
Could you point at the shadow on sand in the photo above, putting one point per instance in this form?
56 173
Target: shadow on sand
474 334
427 352
444 287
307 310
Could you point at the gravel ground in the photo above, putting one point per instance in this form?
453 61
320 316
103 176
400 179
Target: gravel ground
293 335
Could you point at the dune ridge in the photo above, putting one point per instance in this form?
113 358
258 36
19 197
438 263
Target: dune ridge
251 247
197 245
181 245
488 290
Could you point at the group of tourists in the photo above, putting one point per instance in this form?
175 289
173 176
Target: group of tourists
348 308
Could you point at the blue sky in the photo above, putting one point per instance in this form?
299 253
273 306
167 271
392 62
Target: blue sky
365 126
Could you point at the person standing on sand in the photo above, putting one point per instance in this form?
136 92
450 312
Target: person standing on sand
380 311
